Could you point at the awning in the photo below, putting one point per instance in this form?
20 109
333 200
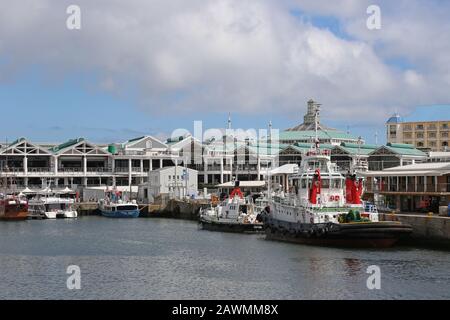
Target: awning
27 190
243 184
289 168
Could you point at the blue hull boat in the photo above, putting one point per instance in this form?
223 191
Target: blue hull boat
121 214
119 210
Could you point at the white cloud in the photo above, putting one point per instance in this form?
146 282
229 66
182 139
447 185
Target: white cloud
242 56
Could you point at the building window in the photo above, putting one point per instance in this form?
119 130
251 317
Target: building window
445 143
445 126
432 135
419 135
444 134
407 135
393 131
433 144
419 127
431 127
407 127
419 144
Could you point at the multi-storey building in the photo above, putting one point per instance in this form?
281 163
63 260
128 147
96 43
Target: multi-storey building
428 128
79 162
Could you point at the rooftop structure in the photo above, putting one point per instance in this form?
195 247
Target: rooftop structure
306 131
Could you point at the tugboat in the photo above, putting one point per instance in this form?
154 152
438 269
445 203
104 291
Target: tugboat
234 214
13 208
325 208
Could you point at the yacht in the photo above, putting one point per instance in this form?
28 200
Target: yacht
52 207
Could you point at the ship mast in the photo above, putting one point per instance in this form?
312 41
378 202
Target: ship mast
316 125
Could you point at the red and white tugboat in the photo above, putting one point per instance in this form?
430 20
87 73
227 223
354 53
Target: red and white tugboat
325 208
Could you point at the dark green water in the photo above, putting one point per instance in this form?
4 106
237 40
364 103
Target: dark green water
172 259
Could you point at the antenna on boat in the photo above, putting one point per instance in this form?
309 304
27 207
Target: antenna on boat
316 125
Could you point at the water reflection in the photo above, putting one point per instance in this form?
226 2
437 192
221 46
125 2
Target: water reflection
172 259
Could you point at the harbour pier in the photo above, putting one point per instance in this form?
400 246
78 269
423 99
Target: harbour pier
175 208
428 229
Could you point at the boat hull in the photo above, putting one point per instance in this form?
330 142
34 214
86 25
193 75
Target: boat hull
17 216
121 214
70 215
359 234
50 215
232 227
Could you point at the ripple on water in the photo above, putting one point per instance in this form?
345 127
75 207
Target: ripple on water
172 259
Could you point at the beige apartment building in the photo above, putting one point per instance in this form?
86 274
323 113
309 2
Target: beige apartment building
431 133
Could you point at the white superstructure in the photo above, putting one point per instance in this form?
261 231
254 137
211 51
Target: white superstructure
52 207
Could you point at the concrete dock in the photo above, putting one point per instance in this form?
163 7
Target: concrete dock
178 209
87 208
428 230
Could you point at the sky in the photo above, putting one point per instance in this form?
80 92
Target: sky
149 67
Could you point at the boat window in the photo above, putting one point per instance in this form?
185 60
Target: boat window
336 183
127 208
54 206
304 184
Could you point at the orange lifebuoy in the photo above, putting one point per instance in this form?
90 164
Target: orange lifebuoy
337 198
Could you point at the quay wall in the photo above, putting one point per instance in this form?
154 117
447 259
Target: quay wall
427 229
87 208
177 209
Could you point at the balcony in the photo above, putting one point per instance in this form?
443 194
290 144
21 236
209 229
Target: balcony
384 187
39 170
127 170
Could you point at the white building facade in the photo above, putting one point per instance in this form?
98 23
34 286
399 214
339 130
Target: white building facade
176 181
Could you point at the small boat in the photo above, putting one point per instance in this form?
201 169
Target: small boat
234 214
13 208
119 209
52 207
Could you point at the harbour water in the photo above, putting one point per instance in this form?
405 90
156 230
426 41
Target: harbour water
173 259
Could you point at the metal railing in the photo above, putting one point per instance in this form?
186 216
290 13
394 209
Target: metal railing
410 187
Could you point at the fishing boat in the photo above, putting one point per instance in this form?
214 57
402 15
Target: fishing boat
119 209
13 208
234 214
325 207
116 205
52 207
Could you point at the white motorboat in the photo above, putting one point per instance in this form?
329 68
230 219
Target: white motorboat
52 207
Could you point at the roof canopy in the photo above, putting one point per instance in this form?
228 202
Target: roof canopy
243 184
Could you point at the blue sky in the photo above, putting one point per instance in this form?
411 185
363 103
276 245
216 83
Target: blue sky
149 68
49 111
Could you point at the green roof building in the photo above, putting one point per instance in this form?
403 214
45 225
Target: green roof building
305 132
